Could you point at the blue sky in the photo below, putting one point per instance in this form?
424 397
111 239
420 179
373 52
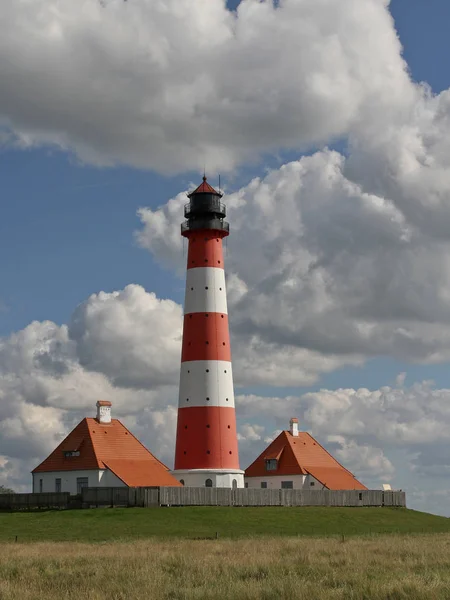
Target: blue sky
66 228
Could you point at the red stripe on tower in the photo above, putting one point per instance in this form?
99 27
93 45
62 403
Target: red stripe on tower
206 451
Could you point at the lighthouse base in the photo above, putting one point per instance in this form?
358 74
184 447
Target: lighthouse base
221 478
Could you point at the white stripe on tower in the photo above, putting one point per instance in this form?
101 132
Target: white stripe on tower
205 291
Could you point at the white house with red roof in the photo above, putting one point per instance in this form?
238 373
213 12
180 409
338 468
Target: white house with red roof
100 452
295 460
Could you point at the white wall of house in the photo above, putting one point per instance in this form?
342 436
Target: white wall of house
274 482
198 478
95 477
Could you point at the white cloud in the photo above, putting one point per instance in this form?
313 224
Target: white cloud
131 336
369 462
332 274
125 347
170 85
250 432
388 434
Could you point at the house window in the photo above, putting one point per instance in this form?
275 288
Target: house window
287 485
41 485
263 485
234 484
57 485
208 483
82 482
360 496
70 453
311 483
246 484
271 464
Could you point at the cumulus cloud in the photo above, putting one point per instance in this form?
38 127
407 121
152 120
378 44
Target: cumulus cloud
388 434
131 336
168 85
329 269
123 346
367 461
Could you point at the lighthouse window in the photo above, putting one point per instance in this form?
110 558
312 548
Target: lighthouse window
220 289
225 371
207 399
234 484
208 452
187 399
229 426
192 289
227 399
182 481
207 370
207 426
208 483
206 287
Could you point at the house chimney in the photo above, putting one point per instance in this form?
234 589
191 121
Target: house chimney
104 411
294 426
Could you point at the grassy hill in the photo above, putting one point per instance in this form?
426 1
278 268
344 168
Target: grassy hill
107 524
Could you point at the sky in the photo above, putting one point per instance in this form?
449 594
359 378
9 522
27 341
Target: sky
328 123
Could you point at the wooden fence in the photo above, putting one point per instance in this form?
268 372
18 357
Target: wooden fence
187 496
34 501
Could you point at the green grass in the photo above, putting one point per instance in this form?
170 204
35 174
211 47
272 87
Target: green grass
108 524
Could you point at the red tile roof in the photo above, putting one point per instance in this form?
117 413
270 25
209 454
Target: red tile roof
204 188
133 472
300 455
109 446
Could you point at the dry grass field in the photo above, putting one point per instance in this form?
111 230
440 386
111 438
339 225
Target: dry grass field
373 568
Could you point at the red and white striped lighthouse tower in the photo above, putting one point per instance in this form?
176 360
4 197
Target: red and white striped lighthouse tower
206 448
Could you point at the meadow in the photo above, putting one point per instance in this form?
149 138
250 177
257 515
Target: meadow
123 524
390 567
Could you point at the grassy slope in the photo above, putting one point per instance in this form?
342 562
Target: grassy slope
191 522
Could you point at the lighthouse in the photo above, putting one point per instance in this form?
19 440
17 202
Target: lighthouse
206 453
